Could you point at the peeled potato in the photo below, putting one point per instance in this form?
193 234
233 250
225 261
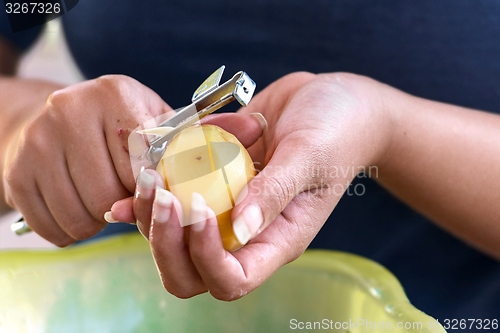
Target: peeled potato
212 162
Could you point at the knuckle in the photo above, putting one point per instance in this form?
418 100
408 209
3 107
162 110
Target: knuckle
56 115
63 242
33 136
108 81
85 230
228 295
57 237
15 185
182 294
12 180
111 78
57 98
180 291
300 76
282 189
59 106
112 82
197 251
9 200
294 253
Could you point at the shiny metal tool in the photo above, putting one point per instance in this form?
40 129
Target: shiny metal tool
20 227
209 97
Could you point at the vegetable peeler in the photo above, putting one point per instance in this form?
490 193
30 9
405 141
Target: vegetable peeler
209 97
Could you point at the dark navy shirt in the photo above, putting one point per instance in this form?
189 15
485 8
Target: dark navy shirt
442 50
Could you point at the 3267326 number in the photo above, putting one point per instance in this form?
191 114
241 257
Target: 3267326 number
32 8
478 324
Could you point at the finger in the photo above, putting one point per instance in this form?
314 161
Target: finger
229 276
38 216
65 204
40 220
98 188
147 182
216 266
171 254
22 181
248 128
271 190
121 211
118 136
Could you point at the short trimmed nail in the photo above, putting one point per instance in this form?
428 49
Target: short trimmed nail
198 215
262 120
108 216
247 223
162 205
145 186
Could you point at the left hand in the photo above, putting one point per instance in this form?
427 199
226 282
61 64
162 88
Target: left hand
316 124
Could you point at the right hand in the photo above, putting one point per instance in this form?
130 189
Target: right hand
69 164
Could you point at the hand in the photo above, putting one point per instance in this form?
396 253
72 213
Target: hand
71 162
321 129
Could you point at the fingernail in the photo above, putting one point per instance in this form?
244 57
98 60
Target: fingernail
145 186
162 205
262 120
198 216
108 216
246 225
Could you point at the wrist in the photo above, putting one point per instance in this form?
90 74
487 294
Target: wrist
372 109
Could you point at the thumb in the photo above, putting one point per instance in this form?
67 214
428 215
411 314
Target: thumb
248 128
268 193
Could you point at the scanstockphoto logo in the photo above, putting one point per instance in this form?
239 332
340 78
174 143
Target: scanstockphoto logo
28 14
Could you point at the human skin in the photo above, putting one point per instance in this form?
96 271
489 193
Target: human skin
435 157
64 155
16 108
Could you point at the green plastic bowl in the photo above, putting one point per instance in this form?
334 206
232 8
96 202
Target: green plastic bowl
113 286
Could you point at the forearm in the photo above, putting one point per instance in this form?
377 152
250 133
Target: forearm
444 161
20 100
